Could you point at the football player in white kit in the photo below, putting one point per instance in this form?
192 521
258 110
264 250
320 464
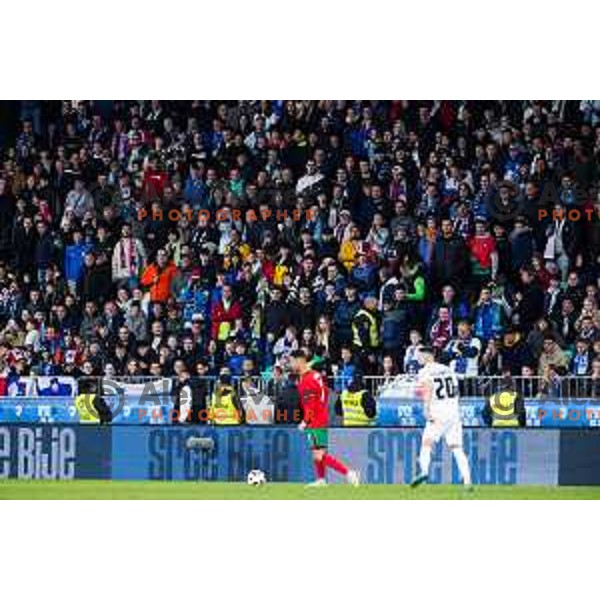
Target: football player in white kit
437 385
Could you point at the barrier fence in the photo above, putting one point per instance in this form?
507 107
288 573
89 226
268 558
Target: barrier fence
527 387
568 402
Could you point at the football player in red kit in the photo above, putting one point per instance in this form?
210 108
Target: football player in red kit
314 397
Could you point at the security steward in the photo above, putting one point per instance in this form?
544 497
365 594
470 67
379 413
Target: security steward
90 406
356 405
505 408
225 405
365 334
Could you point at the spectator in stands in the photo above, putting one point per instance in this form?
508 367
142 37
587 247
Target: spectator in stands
79 200
343 315
389 369
397 318
276 314
565 321
553 384
581 363
457 306
463 351
224 314
441 330
128 258
345 369
521 244
483 254
552 355
449 257
491 359
45 250
411 362
529 300
515 351
158 277
285 345
400 196
488 316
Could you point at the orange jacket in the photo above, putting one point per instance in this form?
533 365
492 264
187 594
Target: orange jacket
159 282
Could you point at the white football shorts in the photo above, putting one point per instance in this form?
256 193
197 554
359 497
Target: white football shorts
448 428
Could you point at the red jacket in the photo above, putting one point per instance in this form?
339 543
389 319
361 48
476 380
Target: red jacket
482 248
219 314
155 183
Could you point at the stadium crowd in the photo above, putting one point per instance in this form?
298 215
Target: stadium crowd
155 238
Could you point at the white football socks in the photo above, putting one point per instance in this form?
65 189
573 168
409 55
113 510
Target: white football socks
463 465
424 460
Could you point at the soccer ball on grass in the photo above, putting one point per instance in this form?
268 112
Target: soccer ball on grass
256 477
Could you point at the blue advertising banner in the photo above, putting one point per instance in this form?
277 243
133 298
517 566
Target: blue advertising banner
573 413
579 458
55 452
161 453
402 412
382 455
390 455
38 410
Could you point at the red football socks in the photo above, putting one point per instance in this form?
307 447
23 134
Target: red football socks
333 463
319 469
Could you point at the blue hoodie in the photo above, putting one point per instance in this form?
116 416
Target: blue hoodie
488 321
74 260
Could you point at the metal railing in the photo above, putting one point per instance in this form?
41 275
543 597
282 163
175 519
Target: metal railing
480 386
527 387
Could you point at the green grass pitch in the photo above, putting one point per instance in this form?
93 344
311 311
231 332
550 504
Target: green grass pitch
158 490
